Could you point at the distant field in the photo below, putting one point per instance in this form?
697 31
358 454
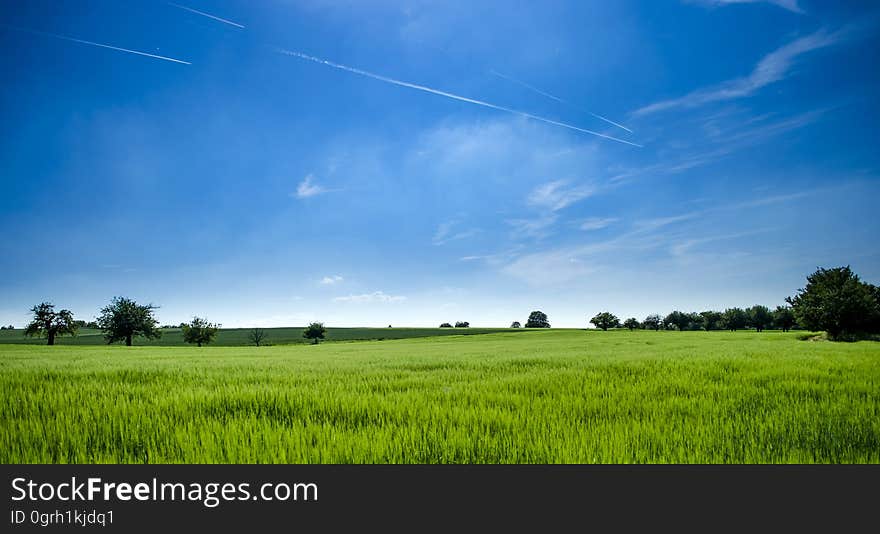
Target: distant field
236 337
557 396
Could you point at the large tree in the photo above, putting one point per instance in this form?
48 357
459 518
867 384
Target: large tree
199 331
632 323
605 320
760 317
49 323
679 320
257 336
783 318
734 319
123 319
836 301
711 320
652 322
314 331
537 319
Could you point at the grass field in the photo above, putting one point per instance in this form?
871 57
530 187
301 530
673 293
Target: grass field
238 337
550 396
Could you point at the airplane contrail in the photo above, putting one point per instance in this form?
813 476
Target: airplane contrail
66 38
556 98
449 95
202 13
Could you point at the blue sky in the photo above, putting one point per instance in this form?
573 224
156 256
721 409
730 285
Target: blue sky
255 186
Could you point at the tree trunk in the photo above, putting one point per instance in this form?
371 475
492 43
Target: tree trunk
199 343
128 340
51 336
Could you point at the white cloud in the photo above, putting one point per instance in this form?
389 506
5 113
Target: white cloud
376 296
445 233
536 227
331 280
556 195
596 223
308 188
772 68
790 5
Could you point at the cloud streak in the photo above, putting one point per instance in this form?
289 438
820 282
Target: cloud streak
556 98
772 68
790 5
451 95
308 188
374 297
100 45
202 13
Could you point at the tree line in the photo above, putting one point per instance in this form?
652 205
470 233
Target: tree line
834 300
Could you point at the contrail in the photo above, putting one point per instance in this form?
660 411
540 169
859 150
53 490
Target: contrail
202 13
66 38
450 95
556 98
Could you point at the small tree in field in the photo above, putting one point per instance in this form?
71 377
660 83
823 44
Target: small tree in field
711 320
49 323
632 323
256 336
605 320
783 318
200 331
462 324
123 319
314 331
445 325
678 320
734 319
653 322
760 317
537 319
515 324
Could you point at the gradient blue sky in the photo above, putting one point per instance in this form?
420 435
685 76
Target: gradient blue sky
260 188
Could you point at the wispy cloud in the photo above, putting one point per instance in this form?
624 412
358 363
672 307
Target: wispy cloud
557 194
790 5
331 280
100 45
536 227
450 95
446 232
596 223
774 67
308 188
556 98
202 13
374 297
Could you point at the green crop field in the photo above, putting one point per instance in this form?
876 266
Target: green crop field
236 337
549 396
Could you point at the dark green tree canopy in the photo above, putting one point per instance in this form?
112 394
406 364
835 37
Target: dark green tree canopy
711 320
537 319
462 324
836 301
632 323
678 320
314 331
783 318
445 325
653 322
760 317
123 319
49 323
515 324
605 320
734 319
199 331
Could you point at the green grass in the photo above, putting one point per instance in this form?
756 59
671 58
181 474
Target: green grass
237 337
552 396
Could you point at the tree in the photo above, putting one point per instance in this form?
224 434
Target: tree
445 325
653 322
632 323
537 319
515 324
759 317
257 336
605 320
462 324
836 301
783 318
200 331
314 331
679 320
734 319
49 323
711 320
123 319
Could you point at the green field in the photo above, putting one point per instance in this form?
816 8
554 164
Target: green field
549 396
238 337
